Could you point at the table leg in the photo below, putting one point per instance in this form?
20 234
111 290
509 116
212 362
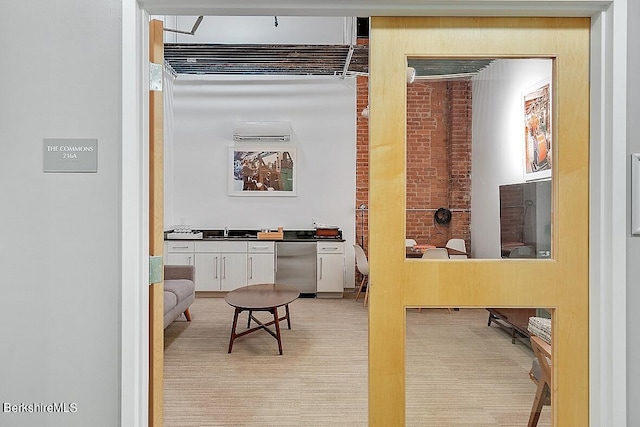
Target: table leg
249 319
276 320
286 307
233 329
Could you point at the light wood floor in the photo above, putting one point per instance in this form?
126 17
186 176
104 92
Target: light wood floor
459 371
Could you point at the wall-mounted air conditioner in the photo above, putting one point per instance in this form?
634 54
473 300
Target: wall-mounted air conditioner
262 131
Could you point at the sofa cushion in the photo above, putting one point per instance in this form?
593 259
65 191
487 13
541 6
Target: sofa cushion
170 301
181 288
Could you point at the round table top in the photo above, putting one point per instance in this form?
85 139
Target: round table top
267 295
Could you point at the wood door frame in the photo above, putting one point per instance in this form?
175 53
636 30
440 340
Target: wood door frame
560 283
608 256
156 229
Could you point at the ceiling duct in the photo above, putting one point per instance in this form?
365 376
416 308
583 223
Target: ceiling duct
262 131
193 29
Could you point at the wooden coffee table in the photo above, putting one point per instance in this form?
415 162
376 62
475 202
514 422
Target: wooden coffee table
263 297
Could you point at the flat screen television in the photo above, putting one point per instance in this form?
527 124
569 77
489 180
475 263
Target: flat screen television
525 220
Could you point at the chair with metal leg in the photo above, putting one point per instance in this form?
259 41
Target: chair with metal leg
435 253
362 264
457 249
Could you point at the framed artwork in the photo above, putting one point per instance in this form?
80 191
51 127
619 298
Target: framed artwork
263 171
537 131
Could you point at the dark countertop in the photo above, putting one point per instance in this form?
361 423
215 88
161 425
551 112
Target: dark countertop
251 235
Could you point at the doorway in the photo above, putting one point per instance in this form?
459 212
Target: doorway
603 83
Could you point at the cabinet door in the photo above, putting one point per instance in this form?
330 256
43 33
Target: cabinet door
330 267
179 258
207 272
165 251
233 271
330 273
260 268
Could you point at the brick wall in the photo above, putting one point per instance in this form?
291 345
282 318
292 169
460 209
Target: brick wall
362 164
511 214
438 160
362 160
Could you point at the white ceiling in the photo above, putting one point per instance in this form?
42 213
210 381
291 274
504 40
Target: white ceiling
365 8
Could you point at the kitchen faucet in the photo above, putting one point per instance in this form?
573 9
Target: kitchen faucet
226 232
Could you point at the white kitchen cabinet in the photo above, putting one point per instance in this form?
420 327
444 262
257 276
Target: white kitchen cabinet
233 271
225 265
261 265
179 253
330 269
208 272
220 265
180 259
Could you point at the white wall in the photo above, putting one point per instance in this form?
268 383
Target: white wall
498 147
60 245
59 340
322 116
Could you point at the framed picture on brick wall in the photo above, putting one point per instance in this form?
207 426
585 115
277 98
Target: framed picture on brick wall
536 106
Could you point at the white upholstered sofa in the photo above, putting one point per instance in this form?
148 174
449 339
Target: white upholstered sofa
179 291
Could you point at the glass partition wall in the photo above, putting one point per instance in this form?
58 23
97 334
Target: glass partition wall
474 367
479 157
478 185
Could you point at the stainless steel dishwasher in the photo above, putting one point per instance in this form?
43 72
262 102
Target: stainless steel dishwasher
296 266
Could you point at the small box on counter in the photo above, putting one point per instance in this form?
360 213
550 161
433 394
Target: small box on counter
271 235
328 231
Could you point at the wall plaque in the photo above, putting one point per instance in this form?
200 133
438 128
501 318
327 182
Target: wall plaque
76 155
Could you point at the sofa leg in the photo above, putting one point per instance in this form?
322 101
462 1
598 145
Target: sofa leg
187 315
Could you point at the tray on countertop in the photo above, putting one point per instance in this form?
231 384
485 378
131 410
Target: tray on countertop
184 236
270 235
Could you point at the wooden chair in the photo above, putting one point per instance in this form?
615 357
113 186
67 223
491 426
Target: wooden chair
362 264
540 374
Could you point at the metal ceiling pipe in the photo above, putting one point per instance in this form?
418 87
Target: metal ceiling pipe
193 29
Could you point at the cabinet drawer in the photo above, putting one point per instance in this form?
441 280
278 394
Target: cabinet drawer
180 258
221 246
330 247
180 246
261 247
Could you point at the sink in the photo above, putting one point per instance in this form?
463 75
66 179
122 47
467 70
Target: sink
233 235
229 238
